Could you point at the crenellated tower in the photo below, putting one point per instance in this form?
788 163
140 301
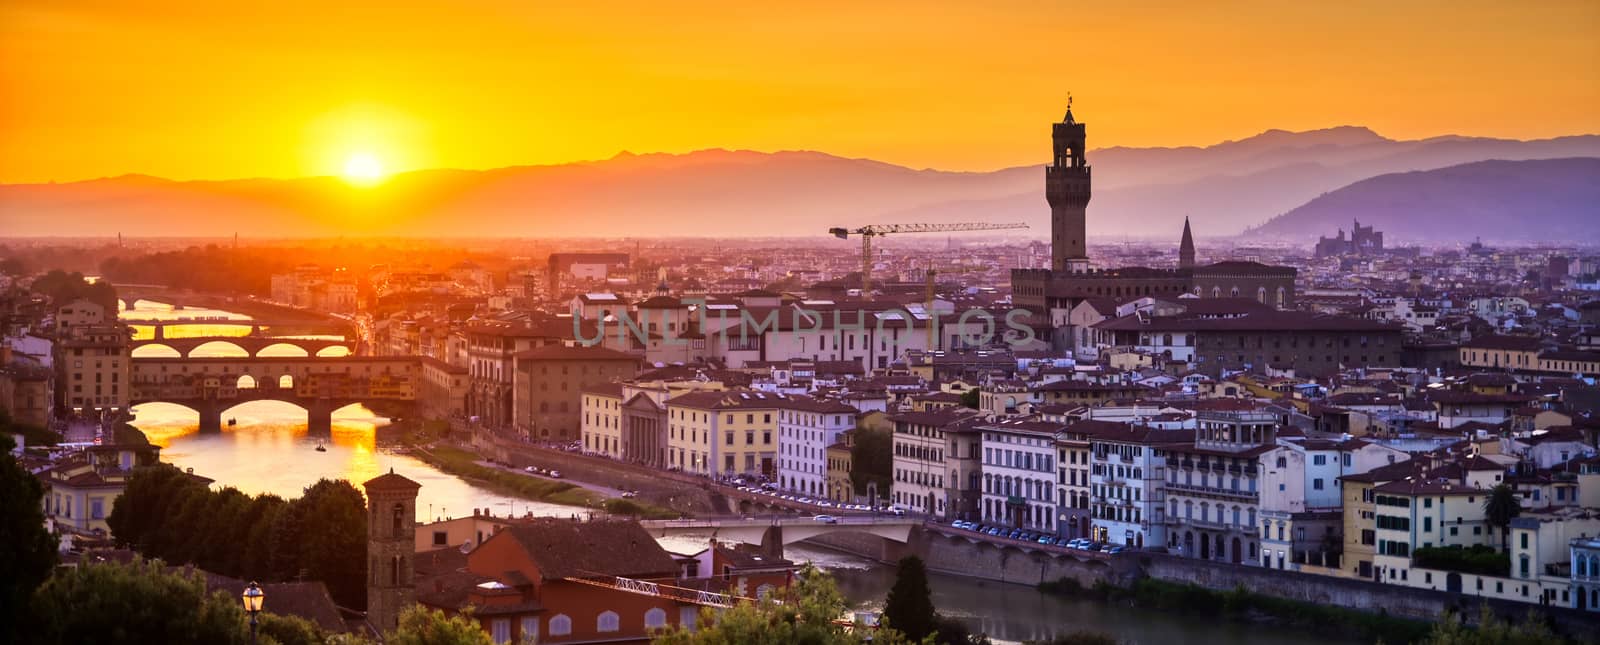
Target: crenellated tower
1066 184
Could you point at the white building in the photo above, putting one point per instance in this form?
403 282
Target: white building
926 474
1126 497
1019 461
806 427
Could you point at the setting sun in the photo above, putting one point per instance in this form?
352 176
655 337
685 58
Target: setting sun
362 168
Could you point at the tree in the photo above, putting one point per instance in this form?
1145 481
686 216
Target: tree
422 626
970 398
909 607
1499 508
1491 631
290 630
333 541
139 602
806 613
872 461
63 288
30 549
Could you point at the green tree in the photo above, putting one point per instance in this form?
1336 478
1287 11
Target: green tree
1499 508
422 626
872 461
333 539
807 613
290 630
909 607
1451 630
62 288
140 602
970 398
30 549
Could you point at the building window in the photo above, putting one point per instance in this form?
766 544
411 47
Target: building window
500 630
607 622
530 630
560 625
655 618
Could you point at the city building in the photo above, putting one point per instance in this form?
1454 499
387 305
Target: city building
92 358
1363 240
726 433
562 581
1019 473
80 490
806 427
925 444
547 401
1126 480
841 485
1213 486
1071 279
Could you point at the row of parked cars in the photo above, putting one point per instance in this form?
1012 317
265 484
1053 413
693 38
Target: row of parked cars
1082 544
771 491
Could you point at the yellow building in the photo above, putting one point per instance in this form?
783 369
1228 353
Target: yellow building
841 488
721 434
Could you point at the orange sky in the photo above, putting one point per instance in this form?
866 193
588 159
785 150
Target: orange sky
288 88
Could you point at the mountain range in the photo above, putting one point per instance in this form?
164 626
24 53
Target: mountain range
1534 200
1142 192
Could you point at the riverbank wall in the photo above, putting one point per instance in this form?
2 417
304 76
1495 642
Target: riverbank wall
983 560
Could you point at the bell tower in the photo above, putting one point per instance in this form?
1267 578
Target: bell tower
1066 187
391 548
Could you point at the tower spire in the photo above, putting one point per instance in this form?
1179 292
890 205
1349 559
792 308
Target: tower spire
1186 247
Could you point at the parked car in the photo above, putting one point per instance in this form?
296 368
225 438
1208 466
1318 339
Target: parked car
530 469
1115 549
555 474
628 494
826 519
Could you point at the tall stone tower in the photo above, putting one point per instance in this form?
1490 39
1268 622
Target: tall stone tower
1066 187
391 548
1186 247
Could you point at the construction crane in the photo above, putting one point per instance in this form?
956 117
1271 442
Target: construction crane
874 230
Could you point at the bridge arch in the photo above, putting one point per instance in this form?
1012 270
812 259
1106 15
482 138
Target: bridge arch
155 350
285 349
219 349
333 351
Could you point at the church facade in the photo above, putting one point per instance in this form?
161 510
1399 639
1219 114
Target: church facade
1070 278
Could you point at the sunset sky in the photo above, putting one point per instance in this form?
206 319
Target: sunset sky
212 90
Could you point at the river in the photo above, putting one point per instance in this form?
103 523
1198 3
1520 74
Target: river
269 450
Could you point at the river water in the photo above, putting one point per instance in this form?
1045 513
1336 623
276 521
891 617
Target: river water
270 450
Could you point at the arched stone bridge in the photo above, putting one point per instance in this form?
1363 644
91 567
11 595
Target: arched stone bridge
772 534
258 326
251 345
321 385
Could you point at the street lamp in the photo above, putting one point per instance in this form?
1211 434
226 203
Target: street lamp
253 599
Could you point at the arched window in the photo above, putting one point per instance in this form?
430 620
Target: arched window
1280 298
655 618
607 622
1216 292
560 625
1234 292
399 519
1261 295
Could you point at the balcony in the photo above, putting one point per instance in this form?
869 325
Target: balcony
1247 529
1196 489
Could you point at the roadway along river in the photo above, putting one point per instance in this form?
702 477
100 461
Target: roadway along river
269 450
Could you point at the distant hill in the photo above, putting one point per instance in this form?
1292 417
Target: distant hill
1546 199
1138 191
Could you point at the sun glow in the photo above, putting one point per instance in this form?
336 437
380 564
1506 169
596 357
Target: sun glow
363 169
